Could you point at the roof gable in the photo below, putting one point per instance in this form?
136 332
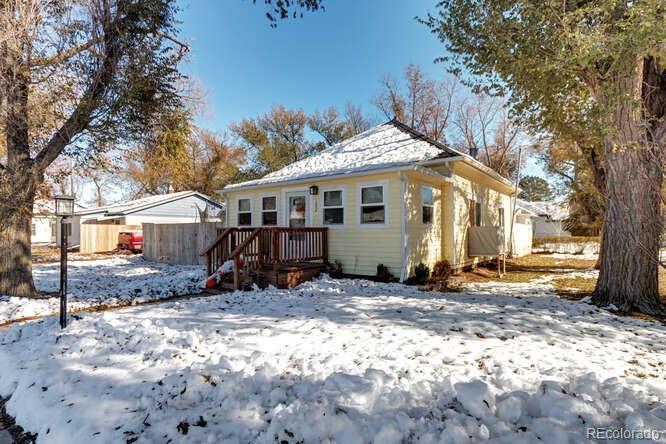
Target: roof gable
553 210
124 208
388 145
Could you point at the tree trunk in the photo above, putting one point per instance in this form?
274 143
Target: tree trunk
633 166
597 264
16 201
18 185
628 275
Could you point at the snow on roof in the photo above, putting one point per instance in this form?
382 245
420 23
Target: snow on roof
123 208
388 145
552 209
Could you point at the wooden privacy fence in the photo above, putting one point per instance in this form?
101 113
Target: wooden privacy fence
178 244
99 238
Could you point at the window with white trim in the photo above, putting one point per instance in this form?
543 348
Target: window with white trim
373 205
244 212
427 204
500 214
334 210
269 214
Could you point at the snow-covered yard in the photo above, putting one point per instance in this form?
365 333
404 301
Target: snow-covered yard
113 281
340 362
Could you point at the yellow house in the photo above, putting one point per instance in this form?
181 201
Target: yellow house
389 195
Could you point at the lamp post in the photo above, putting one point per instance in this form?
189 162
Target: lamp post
64 208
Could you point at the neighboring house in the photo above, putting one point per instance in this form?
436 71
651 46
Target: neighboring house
43 224
389 195
181 207
45 228
547 217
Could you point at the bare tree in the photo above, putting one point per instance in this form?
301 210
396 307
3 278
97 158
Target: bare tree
356 121
484 130
422 103
334 128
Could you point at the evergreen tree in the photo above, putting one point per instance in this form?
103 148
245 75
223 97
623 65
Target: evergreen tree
535 189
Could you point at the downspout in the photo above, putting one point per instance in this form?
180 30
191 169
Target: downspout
403 227
225 196
454 250
514 202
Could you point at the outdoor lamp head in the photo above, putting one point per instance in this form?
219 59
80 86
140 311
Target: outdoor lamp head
64 205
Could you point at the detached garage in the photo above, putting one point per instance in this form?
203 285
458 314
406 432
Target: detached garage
100 226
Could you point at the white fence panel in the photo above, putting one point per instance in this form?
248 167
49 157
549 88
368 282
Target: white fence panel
522 239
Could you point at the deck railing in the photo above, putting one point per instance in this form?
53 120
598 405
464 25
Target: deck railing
252 248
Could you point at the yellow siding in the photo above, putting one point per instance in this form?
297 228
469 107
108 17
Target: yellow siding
469 183
428 243
359 247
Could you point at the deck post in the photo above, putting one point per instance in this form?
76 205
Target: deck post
324 247
262 239
236 273
276 246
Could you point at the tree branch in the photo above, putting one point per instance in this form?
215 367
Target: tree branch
81 116
64 55
184 47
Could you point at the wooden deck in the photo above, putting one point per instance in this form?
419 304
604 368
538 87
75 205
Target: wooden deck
282 257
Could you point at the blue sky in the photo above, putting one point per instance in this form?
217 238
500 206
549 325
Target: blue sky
320 60
323 59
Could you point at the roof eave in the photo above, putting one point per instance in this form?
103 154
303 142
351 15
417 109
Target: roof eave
106 212
399 167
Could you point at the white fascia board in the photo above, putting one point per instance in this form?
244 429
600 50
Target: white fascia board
432 173
476 164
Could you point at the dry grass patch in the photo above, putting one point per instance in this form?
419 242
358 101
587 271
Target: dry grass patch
526 269
46 254
535 266
574 287
545 262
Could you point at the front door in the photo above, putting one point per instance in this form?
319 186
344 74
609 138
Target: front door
297 210
294 245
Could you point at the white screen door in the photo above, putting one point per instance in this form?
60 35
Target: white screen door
297 210
297 217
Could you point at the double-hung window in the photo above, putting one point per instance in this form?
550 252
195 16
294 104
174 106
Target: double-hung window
373 204
428 205
500 215
244 212
334 210
269 214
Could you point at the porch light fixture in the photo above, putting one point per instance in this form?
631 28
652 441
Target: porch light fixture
64 209
64 206
314 190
